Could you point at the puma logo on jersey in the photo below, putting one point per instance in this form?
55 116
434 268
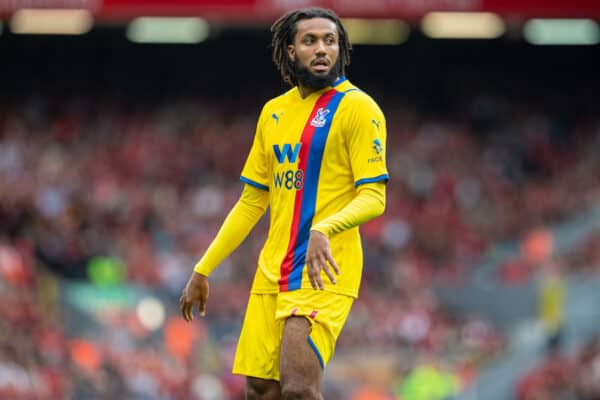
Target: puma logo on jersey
276 117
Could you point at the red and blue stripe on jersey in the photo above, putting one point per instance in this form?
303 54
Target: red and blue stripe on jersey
313 141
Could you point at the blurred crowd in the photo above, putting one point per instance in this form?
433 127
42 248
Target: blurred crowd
560 376
149 185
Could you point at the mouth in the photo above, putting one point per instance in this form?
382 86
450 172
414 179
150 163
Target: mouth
320 65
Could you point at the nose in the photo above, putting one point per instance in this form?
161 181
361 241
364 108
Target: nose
320 50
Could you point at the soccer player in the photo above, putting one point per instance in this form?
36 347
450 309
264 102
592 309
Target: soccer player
318 162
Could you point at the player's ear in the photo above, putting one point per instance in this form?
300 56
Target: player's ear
291 52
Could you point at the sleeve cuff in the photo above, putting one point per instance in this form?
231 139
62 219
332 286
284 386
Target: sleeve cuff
322 229
201 269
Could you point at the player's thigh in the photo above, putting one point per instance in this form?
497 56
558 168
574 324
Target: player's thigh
326 314
300 369
262 389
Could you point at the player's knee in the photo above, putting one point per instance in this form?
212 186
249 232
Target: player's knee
292 391
253 393
261 389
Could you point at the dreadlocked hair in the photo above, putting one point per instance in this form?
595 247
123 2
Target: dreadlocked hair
284 30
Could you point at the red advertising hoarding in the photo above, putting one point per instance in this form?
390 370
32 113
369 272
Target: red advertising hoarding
249 11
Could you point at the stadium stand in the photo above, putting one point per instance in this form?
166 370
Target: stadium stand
109 197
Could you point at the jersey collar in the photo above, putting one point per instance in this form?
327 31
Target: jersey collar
339 80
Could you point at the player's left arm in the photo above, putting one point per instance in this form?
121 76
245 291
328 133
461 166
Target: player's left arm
369 203
366 147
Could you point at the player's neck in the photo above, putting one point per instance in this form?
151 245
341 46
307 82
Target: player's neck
306 91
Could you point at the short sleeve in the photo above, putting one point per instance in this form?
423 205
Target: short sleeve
366 139
255 171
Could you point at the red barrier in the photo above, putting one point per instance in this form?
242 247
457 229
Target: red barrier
249 11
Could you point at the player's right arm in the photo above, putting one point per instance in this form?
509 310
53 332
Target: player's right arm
239 222
241 219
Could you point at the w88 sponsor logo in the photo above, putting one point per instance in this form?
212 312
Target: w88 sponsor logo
290 179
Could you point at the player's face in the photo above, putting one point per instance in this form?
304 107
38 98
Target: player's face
315 52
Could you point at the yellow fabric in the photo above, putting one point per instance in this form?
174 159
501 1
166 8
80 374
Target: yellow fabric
241 219
352 155
551 303
259 345
368 204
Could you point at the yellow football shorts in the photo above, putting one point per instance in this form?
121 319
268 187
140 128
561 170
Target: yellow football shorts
259 344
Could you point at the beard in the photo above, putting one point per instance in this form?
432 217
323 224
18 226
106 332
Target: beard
312 81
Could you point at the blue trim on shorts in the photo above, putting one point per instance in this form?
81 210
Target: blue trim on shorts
253 183
314 347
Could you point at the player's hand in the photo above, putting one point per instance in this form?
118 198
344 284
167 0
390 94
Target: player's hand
196 291
318 257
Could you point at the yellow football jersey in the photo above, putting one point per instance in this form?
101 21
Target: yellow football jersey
311 154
